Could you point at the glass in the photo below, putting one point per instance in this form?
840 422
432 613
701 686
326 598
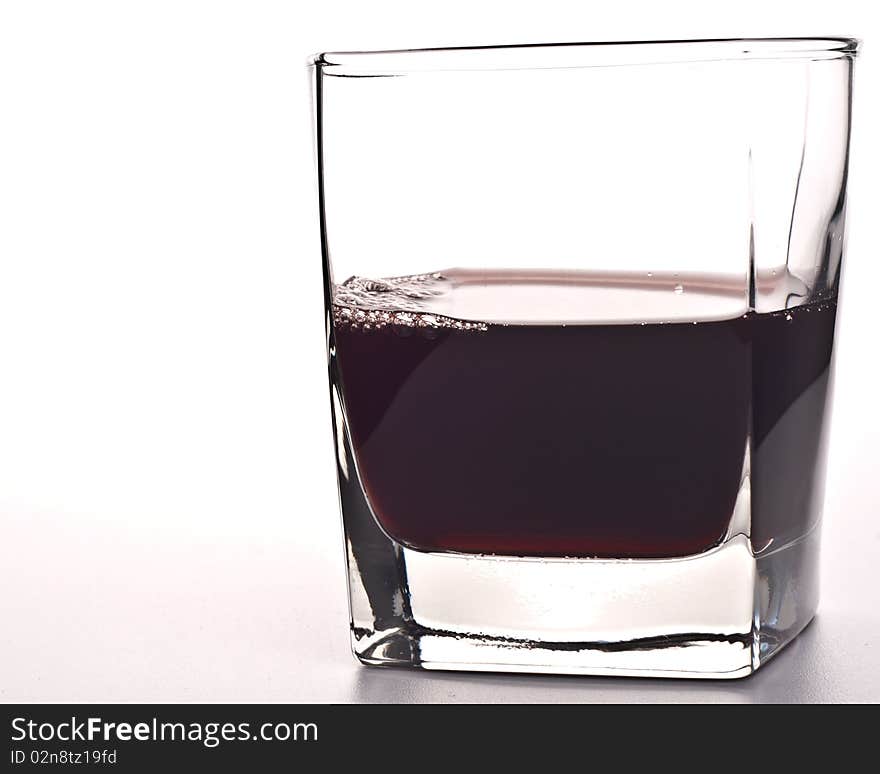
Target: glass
580 317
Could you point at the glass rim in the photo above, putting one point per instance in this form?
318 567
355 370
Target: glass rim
539 56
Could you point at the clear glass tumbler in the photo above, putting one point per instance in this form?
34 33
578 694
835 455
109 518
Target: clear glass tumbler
580 319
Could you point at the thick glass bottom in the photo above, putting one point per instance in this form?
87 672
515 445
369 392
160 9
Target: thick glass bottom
721 614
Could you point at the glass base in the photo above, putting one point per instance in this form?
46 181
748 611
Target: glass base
719 614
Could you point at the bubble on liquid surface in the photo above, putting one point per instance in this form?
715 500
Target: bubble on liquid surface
678 289
392 293
368 304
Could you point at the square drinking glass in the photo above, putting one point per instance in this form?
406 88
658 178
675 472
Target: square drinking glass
580 309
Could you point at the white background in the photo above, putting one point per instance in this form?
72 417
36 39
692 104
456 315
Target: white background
168 518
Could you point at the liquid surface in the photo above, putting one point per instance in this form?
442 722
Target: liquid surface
552 297
617 439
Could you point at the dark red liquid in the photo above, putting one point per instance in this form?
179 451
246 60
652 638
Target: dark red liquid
616 441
